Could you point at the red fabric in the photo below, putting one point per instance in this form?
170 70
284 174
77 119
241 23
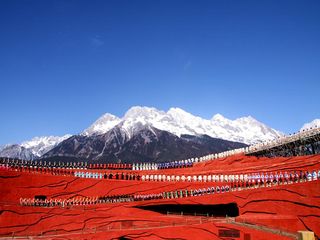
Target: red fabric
289 207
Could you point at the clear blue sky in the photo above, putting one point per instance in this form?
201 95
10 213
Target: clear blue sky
65 63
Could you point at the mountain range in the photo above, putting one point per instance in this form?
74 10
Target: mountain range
148 134
178 122
33 148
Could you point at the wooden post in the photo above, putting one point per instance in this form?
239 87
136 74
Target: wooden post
306 235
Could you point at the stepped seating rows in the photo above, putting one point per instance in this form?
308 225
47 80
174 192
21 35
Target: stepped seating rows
297 175
235 186
287 206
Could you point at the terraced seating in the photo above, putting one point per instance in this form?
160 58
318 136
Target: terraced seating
179 193
280 192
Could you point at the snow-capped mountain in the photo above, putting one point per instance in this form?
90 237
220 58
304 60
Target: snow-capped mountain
178 122
150 134
33 148
313 124
40 145
146 143
102 125
16 151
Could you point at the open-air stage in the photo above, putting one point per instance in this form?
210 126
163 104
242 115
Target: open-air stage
255 211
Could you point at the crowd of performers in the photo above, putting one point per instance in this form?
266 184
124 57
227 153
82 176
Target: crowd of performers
265 180
34 165
78 201
109 175
255 178
41 170
40 202
262 178
146 166
16 163
167 165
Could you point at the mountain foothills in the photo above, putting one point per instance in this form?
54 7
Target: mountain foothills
148 134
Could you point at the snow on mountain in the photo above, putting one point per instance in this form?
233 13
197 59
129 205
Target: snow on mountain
138 119
246 129
40 145
177 121
16 151
33 148
250 128
102 125
315 123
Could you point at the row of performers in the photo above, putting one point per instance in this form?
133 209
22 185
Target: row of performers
87 200
117 176
143 166
44 170
195 192
122 198
183 193
293 176
57 202
166 165
43 202
36 164
257 177
234 186
84 165
74 201
72 172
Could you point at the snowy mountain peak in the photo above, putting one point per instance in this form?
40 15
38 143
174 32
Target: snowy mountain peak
247 119
40 145
102 125
137 118
178 111
16 151
108 117
178 122
218 117
33 148
142 112
44 139
314 124
180 114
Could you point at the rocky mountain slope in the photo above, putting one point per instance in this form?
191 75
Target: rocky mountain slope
146 144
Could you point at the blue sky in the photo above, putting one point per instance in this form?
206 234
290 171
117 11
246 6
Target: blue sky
65 63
